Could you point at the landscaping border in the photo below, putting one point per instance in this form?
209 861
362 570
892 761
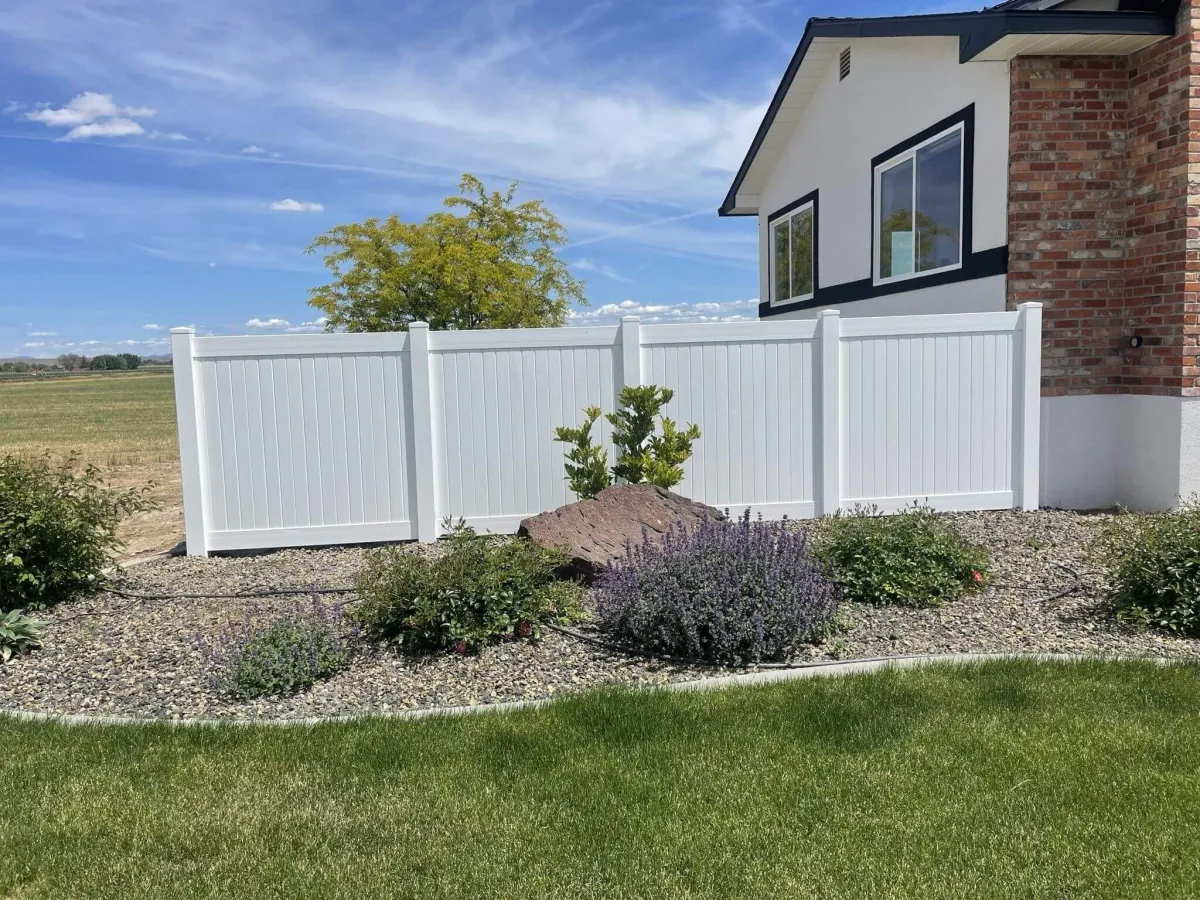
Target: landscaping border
812 670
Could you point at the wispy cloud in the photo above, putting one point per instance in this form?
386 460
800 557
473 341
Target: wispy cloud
268 323
585 264
316 325
301 206
43 334
152 326
253 150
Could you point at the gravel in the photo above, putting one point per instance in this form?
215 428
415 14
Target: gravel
109 655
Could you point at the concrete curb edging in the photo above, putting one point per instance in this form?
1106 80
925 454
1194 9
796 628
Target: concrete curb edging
815 670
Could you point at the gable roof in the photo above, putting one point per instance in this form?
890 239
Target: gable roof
1000 32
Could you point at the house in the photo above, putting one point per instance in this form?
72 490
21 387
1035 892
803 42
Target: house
1050 151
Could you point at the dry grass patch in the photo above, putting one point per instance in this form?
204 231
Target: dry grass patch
122 422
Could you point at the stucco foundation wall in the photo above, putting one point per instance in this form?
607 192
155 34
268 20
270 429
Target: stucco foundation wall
1135 450
896 88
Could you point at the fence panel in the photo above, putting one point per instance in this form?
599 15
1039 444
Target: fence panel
753 392
324 439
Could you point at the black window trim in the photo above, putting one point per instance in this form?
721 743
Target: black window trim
966 246
813 198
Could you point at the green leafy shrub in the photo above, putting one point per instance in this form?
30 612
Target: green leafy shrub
285 655
58 530
642 455
476 590
1154 560
19 634
912 558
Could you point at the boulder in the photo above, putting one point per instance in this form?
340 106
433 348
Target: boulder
596 531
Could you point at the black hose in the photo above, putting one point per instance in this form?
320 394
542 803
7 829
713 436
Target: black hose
1076 584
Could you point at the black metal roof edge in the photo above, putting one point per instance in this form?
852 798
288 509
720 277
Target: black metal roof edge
975 31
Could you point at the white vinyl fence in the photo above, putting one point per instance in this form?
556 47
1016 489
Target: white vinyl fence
346 438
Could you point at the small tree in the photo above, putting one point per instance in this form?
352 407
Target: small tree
132 360
493 266
643 457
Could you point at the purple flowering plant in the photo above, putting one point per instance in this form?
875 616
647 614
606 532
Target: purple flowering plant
731 592
277 653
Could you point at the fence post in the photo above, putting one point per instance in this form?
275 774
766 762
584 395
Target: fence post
1029 425
829 364
187 412
420 386
631 352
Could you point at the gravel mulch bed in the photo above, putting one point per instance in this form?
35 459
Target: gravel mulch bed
113 656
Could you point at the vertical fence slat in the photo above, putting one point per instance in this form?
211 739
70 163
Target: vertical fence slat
424 511
190 451
829 361
1029 417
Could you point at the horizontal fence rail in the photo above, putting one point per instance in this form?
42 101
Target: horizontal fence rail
303 440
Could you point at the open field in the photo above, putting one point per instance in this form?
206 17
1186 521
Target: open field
1013 779
124 422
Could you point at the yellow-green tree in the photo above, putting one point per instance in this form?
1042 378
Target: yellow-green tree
484 262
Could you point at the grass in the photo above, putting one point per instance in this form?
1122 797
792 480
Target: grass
108 419
1013 779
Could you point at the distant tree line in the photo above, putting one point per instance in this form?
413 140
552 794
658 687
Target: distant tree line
103 362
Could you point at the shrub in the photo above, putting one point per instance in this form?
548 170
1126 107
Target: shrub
1154 560
19 634
728 592
58 529
911 558
474 591
642 455
284 655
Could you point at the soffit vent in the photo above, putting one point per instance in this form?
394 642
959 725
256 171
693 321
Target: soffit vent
844 65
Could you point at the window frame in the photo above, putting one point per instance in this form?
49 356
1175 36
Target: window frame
786 214
962 122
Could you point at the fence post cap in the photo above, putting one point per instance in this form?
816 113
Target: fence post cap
417 325
630 319
1030 304
184 329
831 312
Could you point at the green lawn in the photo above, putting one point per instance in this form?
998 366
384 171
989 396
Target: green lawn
1013 780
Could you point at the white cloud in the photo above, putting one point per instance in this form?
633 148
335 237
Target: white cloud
268 323
34 344
86 107
91 115
88 343
43 334
168 136
303 206
651 313
585 264
104 128
13 106
152 326
254 150
316 325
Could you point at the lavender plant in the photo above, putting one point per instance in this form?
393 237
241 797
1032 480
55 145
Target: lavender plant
262 655
728 592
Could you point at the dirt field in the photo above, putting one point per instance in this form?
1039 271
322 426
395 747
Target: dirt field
124 423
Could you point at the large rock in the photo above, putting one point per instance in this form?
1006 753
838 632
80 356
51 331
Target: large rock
596 531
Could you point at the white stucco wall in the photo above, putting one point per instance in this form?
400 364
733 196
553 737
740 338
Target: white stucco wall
1104 450
897 87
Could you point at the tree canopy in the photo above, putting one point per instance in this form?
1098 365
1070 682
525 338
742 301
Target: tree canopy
493 265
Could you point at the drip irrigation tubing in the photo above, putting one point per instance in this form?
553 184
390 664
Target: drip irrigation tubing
1076 584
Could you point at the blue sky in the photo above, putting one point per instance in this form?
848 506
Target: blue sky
166 163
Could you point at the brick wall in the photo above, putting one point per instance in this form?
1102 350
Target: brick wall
1104 173
1068 188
